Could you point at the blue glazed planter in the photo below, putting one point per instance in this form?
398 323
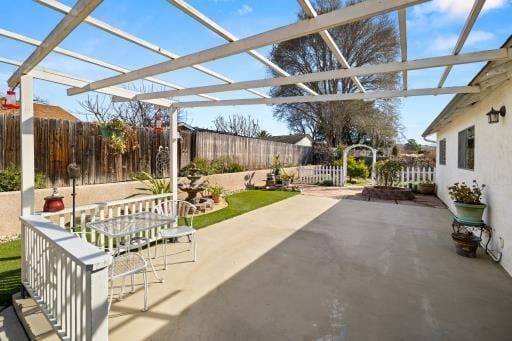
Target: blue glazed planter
470 213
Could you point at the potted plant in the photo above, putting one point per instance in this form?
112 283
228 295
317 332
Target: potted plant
467 201
426 187
216 191
276 165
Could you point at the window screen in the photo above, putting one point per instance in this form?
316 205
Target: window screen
442 152
467 148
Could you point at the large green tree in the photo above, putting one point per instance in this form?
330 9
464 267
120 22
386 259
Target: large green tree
370 41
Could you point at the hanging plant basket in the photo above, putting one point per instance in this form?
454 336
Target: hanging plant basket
109 132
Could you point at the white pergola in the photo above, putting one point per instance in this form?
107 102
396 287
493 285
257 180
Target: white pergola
29 69
314 24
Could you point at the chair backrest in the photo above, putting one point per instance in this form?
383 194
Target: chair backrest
179 208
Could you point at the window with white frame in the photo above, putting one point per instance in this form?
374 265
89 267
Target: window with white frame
442 152
466 154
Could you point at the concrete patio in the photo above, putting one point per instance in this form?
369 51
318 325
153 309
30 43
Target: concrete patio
312 267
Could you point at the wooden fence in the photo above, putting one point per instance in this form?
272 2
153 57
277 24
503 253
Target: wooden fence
54 138
250 152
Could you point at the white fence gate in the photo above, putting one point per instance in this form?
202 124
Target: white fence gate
316 174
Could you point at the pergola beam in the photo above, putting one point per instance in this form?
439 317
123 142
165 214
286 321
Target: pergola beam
55 5
75 16
359 11
90 60
498 54
468 26
69 80
329 98
329 41
402 27
213 26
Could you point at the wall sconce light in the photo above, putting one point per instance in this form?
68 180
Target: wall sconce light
494 115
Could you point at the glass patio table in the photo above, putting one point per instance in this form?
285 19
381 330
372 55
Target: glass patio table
129 225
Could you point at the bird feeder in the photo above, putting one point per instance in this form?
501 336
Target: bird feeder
158 124
10 100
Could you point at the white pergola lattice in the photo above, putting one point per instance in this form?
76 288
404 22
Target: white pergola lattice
315 24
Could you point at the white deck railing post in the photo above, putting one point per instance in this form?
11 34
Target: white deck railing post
68 279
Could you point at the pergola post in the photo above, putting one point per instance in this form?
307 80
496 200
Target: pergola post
173 150
27 145
27 157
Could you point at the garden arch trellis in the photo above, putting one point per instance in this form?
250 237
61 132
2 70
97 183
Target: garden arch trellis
314 24
345 155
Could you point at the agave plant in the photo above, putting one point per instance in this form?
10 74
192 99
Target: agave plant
153 185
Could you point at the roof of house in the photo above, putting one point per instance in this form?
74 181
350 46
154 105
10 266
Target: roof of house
44 111
292 139
491 76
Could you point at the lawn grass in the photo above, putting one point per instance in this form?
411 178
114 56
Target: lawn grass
10 273
239 203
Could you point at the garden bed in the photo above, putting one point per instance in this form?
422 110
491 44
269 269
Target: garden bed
388 193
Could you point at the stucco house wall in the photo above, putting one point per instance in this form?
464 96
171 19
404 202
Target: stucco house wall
493 163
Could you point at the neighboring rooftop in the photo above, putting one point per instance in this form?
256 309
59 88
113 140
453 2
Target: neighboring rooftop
491 76
290 138
44 111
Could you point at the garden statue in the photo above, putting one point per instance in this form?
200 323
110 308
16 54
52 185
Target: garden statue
162 162
194 186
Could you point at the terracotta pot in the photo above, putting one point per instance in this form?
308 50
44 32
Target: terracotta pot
469 213
53 204
216 198
465 245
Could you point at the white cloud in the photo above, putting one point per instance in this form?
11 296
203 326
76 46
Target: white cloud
245 9
457 8
446 43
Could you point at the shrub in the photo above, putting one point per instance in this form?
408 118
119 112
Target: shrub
10 179
389 172
356 169
216 166
326 183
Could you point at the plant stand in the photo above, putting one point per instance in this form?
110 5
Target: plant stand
460 226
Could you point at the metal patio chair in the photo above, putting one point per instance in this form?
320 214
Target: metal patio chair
124 265
184 211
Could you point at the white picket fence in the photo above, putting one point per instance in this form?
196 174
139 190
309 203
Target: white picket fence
316 174
416 174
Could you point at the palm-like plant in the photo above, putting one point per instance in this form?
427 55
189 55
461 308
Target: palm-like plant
153 185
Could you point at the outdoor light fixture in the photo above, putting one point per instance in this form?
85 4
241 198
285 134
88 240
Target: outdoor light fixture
494 115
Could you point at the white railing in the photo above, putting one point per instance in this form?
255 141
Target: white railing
316 174
416 174
104 210
67 277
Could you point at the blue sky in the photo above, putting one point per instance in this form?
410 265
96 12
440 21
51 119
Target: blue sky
433 29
